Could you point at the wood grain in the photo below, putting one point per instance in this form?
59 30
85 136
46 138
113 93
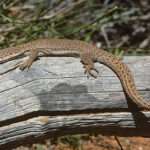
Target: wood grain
57 88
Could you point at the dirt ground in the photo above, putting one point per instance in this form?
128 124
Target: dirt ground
95 143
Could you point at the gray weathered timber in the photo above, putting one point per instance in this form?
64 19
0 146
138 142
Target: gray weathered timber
57 88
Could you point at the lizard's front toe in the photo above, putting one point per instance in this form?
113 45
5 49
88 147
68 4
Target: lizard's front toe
24 65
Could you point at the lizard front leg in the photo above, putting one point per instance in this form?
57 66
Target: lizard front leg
88 64
32 57
27 64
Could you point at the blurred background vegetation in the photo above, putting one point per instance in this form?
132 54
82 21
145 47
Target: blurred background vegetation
114 25
118 26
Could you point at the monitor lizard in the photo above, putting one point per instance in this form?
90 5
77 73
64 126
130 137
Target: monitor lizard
88 53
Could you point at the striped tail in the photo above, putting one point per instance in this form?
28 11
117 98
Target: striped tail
125 76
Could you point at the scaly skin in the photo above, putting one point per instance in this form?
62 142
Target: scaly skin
88 54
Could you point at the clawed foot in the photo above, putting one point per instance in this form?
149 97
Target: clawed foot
89 69
24 65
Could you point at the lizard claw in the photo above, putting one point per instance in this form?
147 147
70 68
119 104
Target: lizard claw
88 70
24 65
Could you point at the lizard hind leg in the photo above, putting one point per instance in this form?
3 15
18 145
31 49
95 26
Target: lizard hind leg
88 64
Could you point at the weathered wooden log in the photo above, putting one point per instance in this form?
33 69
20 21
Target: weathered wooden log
55 98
